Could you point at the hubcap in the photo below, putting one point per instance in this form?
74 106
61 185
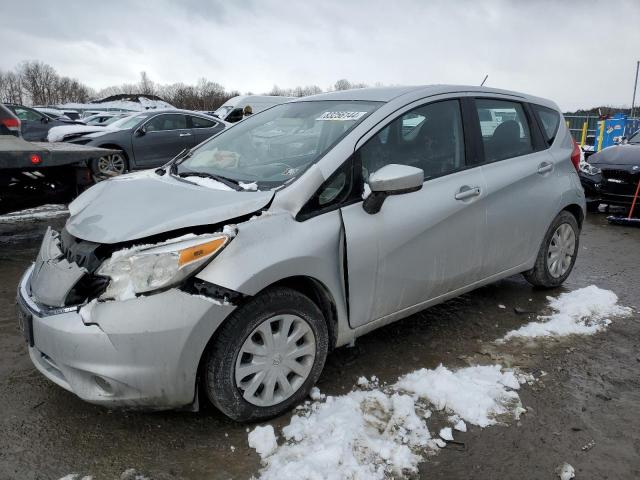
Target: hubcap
561 250
275 360
111 165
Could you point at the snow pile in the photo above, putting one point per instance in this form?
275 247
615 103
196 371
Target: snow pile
263 440
565 472
361 435
208 182
476 394
38 213
381 433
584 311
253 186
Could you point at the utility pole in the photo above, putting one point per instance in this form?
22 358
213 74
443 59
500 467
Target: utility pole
635 86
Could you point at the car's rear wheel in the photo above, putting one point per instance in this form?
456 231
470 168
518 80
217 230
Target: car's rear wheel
266 356
557 254
109 165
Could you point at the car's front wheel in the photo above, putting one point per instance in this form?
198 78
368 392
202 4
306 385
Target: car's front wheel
266 356
557 254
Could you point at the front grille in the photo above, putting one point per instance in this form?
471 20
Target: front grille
619 182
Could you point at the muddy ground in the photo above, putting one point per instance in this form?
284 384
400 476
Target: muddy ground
589 396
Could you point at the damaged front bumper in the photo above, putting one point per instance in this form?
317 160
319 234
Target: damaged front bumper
143 352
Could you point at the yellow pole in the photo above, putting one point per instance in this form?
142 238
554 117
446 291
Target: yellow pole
583 137
600 135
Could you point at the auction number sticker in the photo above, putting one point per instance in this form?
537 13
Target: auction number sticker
341 116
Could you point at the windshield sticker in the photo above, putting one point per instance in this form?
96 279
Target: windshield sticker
341 116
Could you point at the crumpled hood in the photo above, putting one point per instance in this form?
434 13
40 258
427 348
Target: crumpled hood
617 155
142 204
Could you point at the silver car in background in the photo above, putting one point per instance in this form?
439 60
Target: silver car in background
233 270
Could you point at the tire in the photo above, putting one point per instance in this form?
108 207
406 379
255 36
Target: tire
227 360
543 274
109 165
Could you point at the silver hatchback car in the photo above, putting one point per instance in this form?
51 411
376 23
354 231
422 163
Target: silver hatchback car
232 271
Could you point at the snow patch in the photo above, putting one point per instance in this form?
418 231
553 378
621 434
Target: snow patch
477 394
253 186
38 213
446 434
208 183
58 134
382 432
263 440
584 311
565 472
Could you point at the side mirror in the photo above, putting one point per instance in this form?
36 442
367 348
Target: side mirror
44 119
391 179
140 131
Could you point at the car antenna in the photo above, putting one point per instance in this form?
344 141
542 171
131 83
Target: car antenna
485 79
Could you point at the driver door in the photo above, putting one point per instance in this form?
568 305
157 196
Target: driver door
424 244
161 139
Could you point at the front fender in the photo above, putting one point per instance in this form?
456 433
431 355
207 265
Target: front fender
274 246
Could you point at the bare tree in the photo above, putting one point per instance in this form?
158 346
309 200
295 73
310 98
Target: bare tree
146 86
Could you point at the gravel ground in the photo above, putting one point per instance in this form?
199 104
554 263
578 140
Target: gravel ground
584 411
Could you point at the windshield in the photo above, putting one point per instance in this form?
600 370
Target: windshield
223 111
278 144
130 122
635 138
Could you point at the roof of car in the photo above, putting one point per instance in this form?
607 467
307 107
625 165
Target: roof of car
386 94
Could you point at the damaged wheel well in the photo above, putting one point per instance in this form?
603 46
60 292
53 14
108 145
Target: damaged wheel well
320 295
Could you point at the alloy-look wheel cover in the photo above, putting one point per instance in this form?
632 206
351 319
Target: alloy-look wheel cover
275 360
111 165
561 249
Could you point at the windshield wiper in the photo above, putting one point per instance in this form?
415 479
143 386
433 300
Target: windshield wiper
229 182
173 164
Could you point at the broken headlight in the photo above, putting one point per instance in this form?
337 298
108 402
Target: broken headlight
151 267
586 167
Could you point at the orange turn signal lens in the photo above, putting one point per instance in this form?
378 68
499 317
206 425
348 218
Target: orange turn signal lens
192 254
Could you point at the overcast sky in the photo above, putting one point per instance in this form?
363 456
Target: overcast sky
580 54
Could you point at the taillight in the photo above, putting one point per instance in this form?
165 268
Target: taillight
575 155
11 123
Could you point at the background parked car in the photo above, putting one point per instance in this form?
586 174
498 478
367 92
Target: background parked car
103 118
232 110
9 123
149 139
34 124
612 175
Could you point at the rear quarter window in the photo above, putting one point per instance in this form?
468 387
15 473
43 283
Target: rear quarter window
549 120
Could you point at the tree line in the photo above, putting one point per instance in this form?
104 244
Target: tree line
37 83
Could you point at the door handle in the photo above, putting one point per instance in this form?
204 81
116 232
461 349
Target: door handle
467 192
545 167
185 134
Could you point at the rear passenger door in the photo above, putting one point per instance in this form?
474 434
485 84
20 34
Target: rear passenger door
424 244
203 128
163 137
521 188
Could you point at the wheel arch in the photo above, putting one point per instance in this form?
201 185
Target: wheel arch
575 210
308 286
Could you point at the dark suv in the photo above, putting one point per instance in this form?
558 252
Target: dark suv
34 125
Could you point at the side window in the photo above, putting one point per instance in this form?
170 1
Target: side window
26 114
550 120
199 122
505 130
166 122
429 137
